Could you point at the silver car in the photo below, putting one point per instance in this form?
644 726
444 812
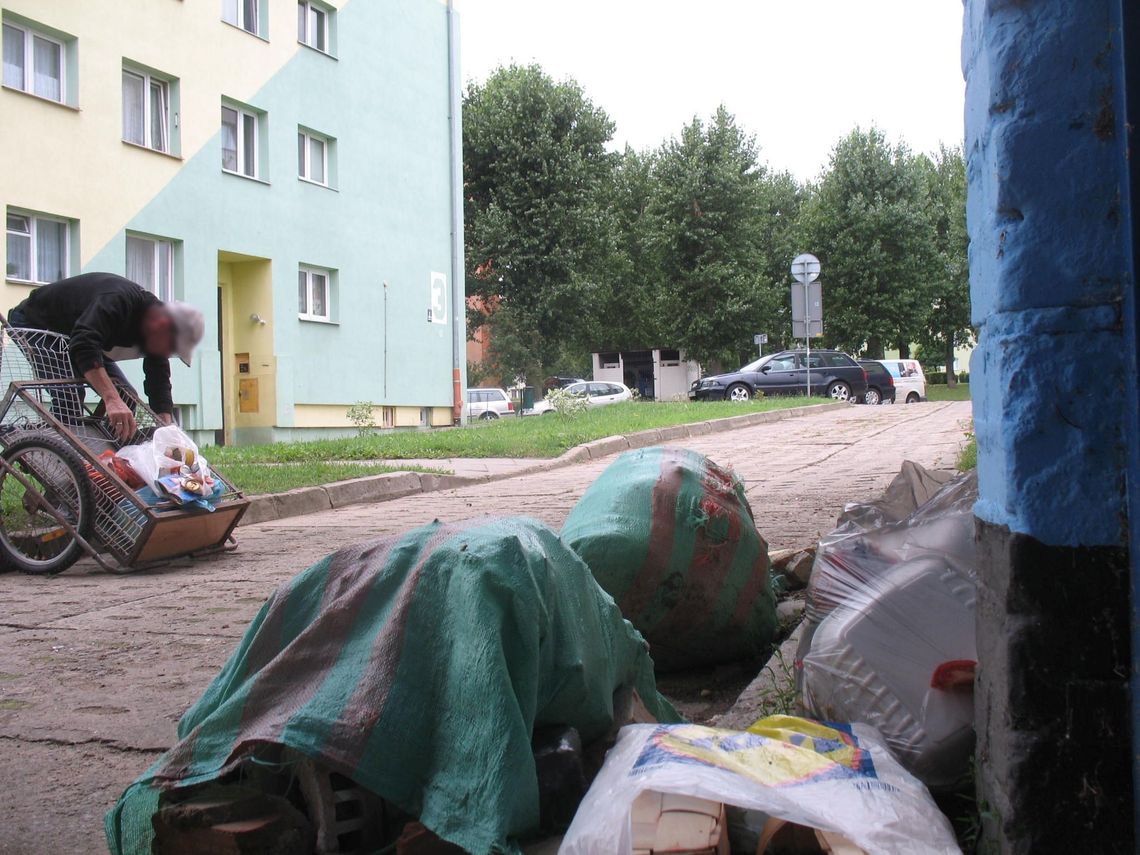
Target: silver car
489 404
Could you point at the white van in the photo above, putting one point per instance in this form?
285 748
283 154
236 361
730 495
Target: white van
910 382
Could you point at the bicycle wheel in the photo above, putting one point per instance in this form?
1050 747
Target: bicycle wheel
31 537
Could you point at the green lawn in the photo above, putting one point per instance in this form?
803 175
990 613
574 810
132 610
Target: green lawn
256 478
961 392
533 436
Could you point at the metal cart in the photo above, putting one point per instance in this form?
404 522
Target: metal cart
59 499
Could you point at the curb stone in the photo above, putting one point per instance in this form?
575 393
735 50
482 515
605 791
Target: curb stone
397 485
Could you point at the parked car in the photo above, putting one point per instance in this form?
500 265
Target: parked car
597 394
489 404
909 379
560 382
833 374
880 383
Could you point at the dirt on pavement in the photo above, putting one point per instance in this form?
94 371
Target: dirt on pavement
95 669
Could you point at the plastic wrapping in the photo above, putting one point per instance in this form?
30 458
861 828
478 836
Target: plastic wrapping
889 636
831 777
670 536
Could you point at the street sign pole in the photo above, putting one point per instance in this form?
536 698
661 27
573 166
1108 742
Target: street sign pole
805 269
807 330
760 339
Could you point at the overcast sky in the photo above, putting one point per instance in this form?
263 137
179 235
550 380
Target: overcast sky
797 73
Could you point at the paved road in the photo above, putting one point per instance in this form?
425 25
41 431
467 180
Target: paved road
95 670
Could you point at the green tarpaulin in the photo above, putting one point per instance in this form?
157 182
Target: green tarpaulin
418 666
670 535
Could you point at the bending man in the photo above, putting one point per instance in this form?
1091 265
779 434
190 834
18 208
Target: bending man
110 318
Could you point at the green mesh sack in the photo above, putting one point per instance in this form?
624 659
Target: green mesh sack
418 666
670 535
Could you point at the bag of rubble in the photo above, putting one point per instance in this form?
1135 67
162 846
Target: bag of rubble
670 535
889 630
665 788
417 666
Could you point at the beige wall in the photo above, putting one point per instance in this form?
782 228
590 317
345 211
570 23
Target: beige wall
95 177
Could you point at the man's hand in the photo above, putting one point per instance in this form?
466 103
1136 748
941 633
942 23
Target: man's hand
164 418
122 420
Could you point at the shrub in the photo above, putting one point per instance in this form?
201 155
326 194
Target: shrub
362 415
565 404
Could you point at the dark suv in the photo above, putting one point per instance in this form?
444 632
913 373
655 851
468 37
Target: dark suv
880 383
833 374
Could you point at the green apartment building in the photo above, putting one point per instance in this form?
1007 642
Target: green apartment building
291 168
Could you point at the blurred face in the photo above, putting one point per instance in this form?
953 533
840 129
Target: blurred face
158 332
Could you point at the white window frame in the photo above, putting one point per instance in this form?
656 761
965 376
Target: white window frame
309 271
30 35
304 168
240 21
33 221
305 35
242 154
157 265
163 83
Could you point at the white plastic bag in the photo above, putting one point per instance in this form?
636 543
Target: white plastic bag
832 777
141 458
173 449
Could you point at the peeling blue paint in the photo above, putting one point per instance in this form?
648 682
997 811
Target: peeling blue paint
1049 267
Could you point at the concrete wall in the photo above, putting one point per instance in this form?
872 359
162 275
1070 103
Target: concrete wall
1050 268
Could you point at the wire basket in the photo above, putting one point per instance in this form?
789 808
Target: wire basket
44 396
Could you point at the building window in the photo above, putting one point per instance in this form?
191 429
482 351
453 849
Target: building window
38 248
313 157
150 263
147 109
34 62
245 14
313 25
314 294
240 142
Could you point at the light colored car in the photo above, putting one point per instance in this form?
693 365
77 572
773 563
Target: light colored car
910 382
488 404
597 394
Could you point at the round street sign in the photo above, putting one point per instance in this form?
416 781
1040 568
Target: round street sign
805 268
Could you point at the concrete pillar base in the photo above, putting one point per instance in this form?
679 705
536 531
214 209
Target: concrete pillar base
1054 734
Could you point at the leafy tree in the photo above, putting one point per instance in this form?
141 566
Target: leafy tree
535 170
948 323
706 220
868 222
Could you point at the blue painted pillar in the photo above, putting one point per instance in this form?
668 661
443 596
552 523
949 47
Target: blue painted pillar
1052 377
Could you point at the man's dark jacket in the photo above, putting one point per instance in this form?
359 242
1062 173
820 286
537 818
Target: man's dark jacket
101 312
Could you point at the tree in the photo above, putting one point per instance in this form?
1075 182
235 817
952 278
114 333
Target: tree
948 323
706 223
535 169
867 221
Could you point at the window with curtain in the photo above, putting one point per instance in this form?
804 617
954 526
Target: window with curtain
150 263
240 142
313 25
313 294
245 14
37 248
33 62
146 110
312 158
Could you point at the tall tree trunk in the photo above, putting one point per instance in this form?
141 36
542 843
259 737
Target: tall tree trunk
951 374
904 350
874 347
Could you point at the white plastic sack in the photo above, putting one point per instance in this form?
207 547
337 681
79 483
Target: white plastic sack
165 454
141 458
832 777
173 449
